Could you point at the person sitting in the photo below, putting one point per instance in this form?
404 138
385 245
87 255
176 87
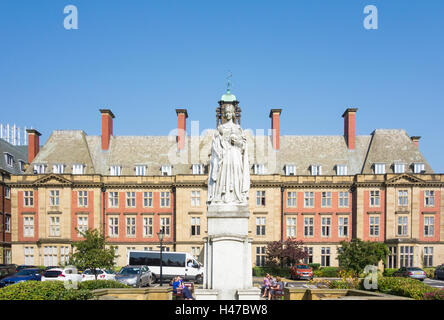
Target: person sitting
276 289
266 285
178 284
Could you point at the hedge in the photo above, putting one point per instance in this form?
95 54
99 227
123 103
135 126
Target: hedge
101 284
407 287
388 272
273 271
327 272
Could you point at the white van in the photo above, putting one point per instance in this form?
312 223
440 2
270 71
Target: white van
173 264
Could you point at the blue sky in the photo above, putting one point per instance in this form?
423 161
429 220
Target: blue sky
144 59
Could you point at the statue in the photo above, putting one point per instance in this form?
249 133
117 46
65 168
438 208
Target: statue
229 173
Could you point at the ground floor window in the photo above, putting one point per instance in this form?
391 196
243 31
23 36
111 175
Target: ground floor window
325 257
8 256
309 258
391 258
196 252
260 256
406 256
64 255
50 256
29 256
428 256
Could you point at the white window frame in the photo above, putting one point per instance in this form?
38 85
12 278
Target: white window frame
50 256
28 198
291 224
325 256
165 197
82 198
29 255
374 225
7 192
78 169
131 225
195 198
343 226
428 256
115 170
82 225
326 199
58 168
309 197
166 170
429 198
195 226
113 199
399 167
140 170
54 226
198 168
379 168
260 198
341 170
292 199
290 170
343 199
403 198
28 226
130 199
402 223
113 226
64 255
148 227
165 225
374 198
39 168
316 170
9 159
261 226
54 198
418 167
21 166
309 226
429 226
7 223
258 168
147 199
326 226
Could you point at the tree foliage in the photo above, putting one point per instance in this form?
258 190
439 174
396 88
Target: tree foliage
357 254
92 252
288 252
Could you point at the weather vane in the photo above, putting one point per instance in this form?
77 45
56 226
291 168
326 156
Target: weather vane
228 81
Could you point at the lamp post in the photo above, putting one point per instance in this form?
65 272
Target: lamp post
160 234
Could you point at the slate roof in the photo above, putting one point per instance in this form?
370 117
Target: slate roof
20 153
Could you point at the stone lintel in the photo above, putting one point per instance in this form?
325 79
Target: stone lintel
228 211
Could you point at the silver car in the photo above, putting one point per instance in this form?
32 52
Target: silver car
412 272
135 276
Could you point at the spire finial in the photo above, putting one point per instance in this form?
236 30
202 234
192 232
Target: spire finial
228 81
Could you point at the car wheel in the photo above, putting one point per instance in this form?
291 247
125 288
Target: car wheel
199 279
154 279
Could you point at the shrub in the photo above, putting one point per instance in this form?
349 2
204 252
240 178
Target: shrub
388 272
33 290
101 284
73 294
273 271
326 272
405 287
434 295
430 272
315 266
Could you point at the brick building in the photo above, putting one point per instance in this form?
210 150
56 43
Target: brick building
319 189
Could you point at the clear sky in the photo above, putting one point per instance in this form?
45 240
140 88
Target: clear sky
144 59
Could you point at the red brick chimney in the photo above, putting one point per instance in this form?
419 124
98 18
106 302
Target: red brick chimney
107 127
33 144
349 127
182 115
415 140
275 126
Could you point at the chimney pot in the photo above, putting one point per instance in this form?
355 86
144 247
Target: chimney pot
182 115
415 140
275 127
349 127
107 127
33 144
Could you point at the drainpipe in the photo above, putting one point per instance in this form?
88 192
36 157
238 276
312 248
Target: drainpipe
3 218
103 189
173 190
282 213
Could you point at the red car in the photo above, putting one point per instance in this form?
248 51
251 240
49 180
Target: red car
301 271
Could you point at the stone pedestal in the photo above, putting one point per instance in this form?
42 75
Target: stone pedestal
228 267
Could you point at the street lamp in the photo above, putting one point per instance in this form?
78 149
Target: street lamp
161 235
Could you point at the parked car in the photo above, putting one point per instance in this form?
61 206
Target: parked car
412 272
102 274
60 274
24 266
51 267
135 276
34 274
301 271
7 270
439 272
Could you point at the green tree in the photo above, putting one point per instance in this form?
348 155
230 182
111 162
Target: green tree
92 252
357 254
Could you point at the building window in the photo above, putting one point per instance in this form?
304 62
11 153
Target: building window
54 198
82 225
326 199
8 256
9 160
147 248
113 199
28 198
166 170
308 226
195 251
164 199
374 198
403 198
260 226
7 192
195 198
292 199
343 199
113 227
165 226
429 198
308 199
7 223
21 166
260 256
115 170
130 199
140 170
290 170
130 226
147 226
198 168
259 168
418 168
392 257
50 256
77 168
54 226
343 226
325 226
402 225
399 167
147 199
316 170
428 256
379 168
406 256
325 257
29 256
82 198
341 170
58 168
64 255
291 227
374 226
260 198
195 226
309 258
429 226
39 169
28 226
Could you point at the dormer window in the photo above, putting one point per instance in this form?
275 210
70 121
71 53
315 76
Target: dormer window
418 167
21 166
166 170
39 169
58 168
78 168
259 168
379 168
198 168
9 159
316 170
341 170
399 167
115 170
140 170
290 170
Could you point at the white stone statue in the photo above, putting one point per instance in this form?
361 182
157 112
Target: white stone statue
229 174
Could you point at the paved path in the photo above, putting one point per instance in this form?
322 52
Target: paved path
434 283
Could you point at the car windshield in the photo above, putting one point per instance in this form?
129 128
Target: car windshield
303 266
27 272
414 269
129 271
91 272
